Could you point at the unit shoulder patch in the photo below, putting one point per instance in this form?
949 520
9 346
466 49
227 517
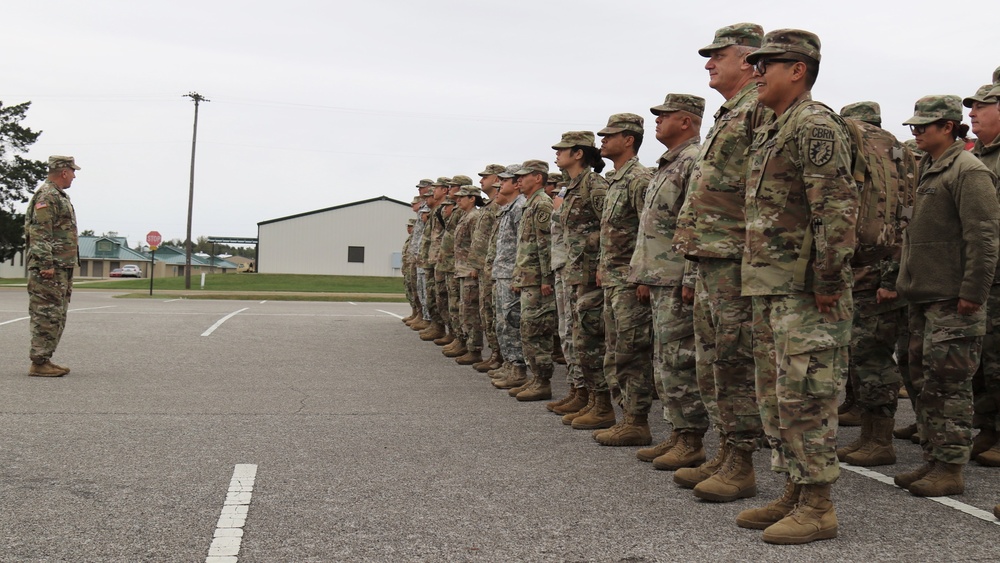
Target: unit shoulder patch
821 145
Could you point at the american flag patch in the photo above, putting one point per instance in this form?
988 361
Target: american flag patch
41 205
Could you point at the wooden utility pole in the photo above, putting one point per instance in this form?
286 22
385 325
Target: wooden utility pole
198 98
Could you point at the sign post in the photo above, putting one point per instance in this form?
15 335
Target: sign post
153 239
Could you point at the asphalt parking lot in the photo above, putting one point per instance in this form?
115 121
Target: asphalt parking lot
366 445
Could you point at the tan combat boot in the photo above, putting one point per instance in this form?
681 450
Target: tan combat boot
501 372
600 415
540 391
986 439
570 395
447 348
813 518
989 458
420 324
569 417
904 480
578 402
996 511
517 376
48 369
735 479
445 339
905 432
57 366
413 315
484 366
469 357
687 452
433 332
878 450
689 477
761 518
513 391
852 417
863 438
945 479
653 452
457 350
635 432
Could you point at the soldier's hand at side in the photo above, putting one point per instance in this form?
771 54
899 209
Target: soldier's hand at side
474 274
47 274
883 295
967 307
642 293
598 275
516 289
687 294
546 290
825 303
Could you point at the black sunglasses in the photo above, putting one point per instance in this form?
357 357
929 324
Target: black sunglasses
761 65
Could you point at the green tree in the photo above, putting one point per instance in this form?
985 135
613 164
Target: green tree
87 233
18 175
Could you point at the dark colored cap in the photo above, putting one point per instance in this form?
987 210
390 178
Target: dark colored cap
681 102
935 108
869 112
748 34
782 41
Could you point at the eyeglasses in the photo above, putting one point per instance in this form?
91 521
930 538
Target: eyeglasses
761 65
919 129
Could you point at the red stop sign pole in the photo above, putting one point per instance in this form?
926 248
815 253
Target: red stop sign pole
153 239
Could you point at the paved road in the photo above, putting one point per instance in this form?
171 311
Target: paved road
369 445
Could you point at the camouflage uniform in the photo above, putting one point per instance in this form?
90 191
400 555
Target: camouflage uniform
51 242
482 238
446 264
472 326
419 279
628 365
799 188
579 218
533 269
429 250
954 234
564 299
655 264
508 303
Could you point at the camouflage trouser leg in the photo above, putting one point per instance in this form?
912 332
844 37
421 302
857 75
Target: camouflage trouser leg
430 280
441 297
538 324
986 382
588 334
766 380
454 306
674 360
408 284
565 300
812 356
472 325
487 309
508 308
416 302
946 346
874 376
422 292
903 359
628 360
48 302
723 324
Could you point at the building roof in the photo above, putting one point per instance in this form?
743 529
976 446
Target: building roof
112 248
324 210
176 257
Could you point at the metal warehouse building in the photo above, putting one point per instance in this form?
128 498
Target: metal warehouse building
364 238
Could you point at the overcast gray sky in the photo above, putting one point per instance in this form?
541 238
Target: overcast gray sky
315 104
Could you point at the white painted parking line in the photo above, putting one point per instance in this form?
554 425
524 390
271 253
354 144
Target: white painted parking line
352 303
228 535
172 300
946 501
390 314
14 320
92 308
262 302
218 323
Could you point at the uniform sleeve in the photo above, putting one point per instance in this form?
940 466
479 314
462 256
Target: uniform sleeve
976 200
825 154
598 193
542 219
38 231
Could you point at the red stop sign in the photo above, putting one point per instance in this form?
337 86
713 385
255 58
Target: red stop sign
153 238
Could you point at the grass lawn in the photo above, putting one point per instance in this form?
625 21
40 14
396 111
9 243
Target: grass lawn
261 283
13 281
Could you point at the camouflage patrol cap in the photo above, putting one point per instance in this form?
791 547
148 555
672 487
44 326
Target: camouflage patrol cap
996 76
411 222
57 161
681 102
557 178
929 109
982 96
491 169
995 93
425 182
572 139
469 190
532 166
448 201
869 112
912 145
622 122
509 172
748 34
416 199
442 181
460 180
423 209
783 41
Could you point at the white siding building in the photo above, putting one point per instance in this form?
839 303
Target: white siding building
364 238
15 267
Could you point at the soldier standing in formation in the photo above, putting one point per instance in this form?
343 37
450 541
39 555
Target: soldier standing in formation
508 303
469 201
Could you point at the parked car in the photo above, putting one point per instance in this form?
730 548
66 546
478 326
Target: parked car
116 273
131 271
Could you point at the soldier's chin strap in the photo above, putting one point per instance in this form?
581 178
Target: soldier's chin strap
802 264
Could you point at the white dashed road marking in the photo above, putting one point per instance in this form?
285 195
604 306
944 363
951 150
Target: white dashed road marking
14 321
71 311
229 531
218 323
947 501
390 314
171 300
